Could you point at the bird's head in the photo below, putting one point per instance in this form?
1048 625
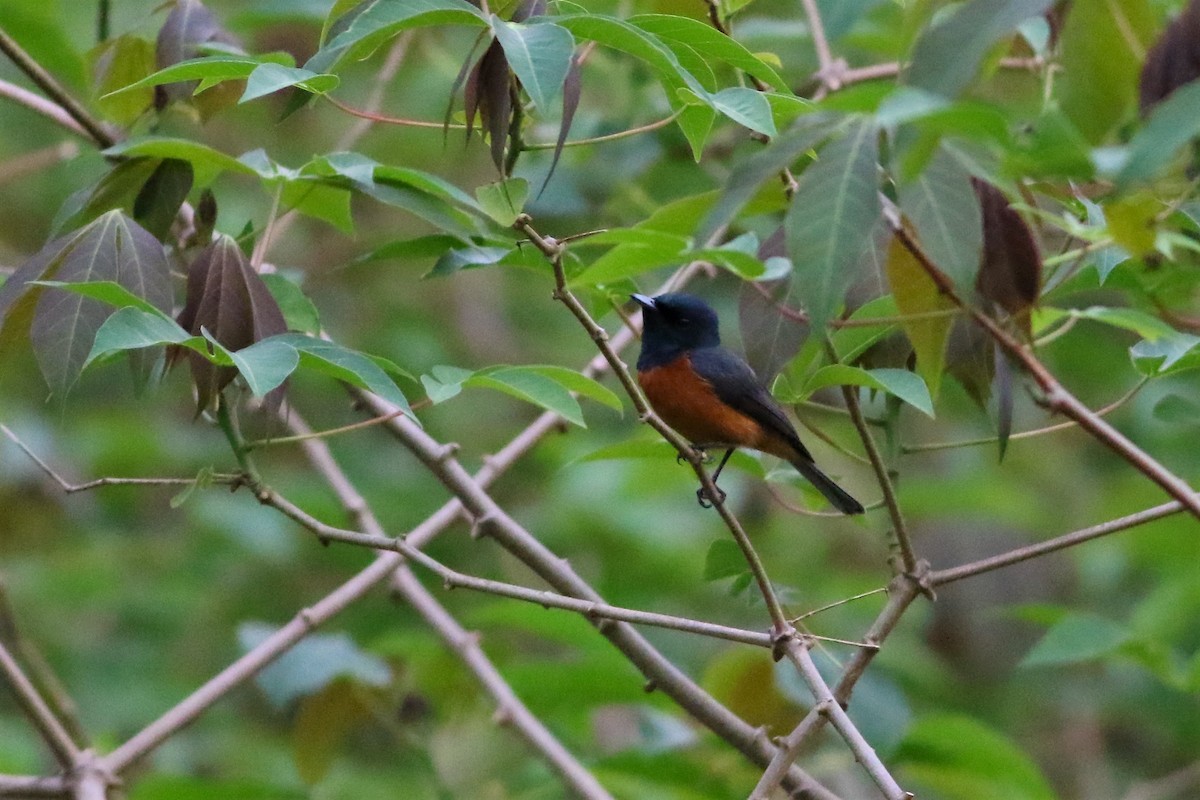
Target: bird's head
675 323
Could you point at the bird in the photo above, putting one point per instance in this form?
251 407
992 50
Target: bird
712 397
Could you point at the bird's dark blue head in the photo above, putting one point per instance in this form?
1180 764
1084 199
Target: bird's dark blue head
673 324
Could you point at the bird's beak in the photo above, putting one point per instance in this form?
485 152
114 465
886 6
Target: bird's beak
643 301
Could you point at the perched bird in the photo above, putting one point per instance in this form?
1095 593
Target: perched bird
712 396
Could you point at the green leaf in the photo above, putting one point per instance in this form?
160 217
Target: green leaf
947 57
209 69
467 257
382 20
206 162
346 365
746 107
444 382
539 54
1173 123
1075 638
834 206
942 206
109 292
266 364
503 200
123 61
573 381
723 560
533 387
632 448
1167 354
851 341
1102 46
133 328
298 311
903 384
311 664
710 42
268 78
957 756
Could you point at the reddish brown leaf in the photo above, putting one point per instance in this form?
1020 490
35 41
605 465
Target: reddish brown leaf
488 94
226 298
189 25
1173 60
1010 272
572 87
529 8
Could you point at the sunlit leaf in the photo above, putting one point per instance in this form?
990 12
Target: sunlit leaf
918 296
503 200
346 365
268 78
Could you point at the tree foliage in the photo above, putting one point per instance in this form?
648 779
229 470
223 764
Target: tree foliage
394 242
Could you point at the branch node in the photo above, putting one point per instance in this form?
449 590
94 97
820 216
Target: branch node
922 577
503 716
309 618
481 524
446 452
650 686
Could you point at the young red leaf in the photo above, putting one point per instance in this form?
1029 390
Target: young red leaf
226 298
572 88
1010 273
1173 60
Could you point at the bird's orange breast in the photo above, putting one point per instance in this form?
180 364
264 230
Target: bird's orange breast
688 403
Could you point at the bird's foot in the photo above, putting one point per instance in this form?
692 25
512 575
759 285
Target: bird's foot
706 500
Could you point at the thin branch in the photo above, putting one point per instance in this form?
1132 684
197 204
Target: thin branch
26 786
944 576
829 708
830 71
842 602
325 434
1056 396
35 161
71 488
38 711
453 579
891 69
1058 426
903 542
48 684
55 91
902 590
48 109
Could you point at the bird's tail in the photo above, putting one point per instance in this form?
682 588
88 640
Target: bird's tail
835 494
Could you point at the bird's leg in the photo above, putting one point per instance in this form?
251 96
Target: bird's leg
702 496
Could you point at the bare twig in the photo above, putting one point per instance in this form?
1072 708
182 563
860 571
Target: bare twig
902 542
35 161
829 708
38 712
26 786
1058 426
95 483
902 590
55 91
35 102
943 576
830 71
